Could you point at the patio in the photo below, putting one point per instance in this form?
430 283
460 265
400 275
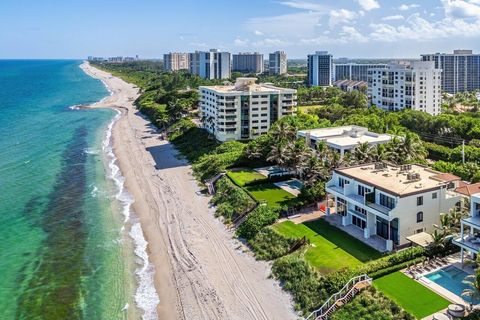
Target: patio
376 242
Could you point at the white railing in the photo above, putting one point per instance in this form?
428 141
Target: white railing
347 292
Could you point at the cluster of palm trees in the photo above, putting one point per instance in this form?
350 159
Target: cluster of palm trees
282 147
403 148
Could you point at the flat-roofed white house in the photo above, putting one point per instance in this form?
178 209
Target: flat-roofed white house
343 139
389 203
469 239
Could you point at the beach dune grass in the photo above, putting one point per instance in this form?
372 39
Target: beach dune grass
330 248
271 194
410 295
243 177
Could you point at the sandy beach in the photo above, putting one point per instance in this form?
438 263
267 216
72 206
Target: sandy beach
201 271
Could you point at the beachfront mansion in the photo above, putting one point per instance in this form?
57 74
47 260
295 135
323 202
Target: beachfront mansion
244 110
385 204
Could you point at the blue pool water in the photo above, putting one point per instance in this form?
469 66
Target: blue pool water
451 279
294 184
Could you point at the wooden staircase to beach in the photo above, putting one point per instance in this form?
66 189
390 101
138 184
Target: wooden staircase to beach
336 301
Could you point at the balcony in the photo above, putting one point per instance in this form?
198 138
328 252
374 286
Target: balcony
378 207
472 221
336 189
469 242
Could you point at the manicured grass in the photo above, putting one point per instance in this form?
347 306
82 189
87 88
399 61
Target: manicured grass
245 176
270 193
410 295
331 249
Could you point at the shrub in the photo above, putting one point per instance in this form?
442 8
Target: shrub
231 200
383 272
392 260
298 278
260 217
371 304
438 152
268 244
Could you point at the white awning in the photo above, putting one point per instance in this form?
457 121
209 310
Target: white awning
422 239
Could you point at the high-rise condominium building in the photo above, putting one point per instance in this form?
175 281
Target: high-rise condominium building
277 63
400 86
354 71
210 64
244 110
461 70
175 61
248 62
320 69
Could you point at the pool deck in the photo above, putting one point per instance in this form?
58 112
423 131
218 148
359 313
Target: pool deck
287 187
421 272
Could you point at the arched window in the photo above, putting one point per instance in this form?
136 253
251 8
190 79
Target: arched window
420 216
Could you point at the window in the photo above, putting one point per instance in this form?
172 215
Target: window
387 201
362 190
420 201
420 217
434 195
342 182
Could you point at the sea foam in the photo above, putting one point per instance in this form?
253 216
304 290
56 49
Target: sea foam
146 296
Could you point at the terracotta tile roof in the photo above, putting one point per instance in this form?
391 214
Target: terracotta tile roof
468 189
447 177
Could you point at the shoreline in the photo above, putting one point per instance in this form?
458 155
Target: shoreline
201 271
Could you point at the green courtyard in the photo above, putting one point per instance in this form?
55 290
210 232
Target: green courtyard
331 249
271 194
242 177
410 295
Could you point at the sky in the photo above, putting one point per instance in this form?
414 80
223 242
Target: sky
346 28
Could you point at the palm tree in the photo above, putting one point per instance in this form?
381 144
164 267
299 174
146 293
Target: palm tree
473 290
297 155
282 131
314 170
362 153
380 153
278 154
407 148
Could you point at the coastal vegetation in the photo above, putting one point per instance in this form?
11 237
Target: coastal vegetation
231 201
371 304
328 258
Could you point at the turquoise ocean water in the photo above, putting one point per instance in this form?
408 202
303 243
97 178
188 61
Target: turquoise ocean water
64 250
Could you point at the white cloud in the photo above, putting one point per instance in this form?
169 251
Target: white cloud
419 29
368 5
305 5
348 34
392 18
238 42
258 33
341 16
405 7
461 8
288 25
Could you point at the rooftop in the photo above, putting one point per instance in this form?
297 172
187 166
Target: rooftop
398 180
345 136
468 189
248 85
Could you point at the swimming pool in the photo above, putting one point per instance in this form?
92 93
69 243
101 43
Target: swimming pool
451 279
294 184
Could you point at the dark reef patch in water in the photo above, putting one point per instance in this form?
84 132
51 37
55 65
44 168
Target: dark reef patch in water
54 290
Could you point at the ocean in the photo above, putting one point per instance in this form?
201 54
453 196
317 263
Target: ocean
69 248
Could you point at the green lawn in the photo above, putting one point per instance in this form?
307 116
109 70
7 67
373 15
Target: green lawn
273 195
410 295
331 249
245 176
